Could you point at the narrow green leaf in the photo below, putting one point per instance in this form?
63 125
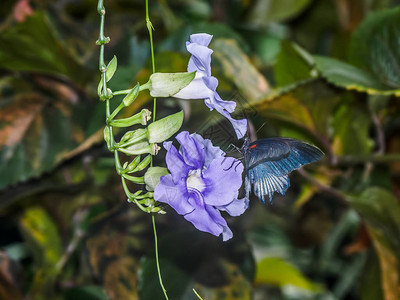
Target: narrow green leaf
293 64
238 67
278 272
111 68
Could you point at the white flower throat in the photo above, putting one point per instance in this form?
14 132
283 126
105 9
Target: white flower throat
194 181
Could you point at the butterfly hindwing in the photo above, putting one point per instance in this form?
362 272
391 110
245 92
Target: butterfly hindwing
269 161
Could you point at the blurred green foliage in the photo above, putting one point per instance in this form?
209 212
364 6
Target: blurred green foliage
325 71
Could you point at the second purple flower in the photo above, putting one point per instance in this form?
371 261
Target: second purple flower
202 183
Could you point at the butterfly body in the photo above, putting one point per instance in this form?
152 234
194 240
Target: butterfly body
269 161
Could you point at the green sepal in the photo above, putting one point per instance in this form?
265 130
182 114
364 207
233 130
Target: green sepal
163 129
168 84
107 137
137 180
139 118
132 137
141 148
131 95
138 195
152 177
132 165
158 210
143 164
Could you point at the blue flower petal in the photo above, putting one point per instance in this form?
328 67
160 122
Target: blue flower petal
202 183
202 39
176 164
236 207
191 150
196 89
224 179
176 195
200 59
211 152
226 233
206 219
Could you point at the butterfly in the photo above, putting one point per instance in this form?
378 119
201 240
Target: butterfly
269 161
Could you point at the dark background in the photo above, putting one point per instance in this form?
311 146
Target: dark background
324 71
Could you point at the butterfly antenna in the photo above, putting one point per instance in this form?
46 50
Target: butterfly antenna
261 127
234 148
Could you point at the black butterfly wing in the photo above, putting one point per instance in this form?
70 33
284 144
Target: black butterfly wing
269 161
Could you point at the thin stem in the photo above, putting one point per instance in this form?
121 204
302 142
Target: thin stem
125 92
156 250
116 111
198 296
325 188
150 29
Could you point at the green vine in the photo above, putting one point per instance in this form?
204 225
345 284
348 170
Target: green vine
134 143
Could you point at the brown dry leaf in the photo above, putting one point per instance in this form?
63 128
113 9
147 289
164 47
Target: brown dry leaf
17 118
121 279
8 284
106 245
389 266
361 243
238 287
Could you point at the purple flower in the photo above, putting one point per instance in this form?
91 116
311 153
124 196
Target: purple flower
204 86
202 183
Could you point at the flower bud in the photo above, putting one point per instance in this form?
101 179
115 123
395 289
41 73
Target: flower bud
164 128
131 95
152 177
140 148
132 137
107 137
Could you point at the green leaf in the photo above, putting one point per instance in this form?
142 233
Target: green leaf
293 64
176 280
380 209
37 133
163 129
42 237
276 271
176 40
33 46
168 84
352 78
306 104
87 292
237 66
351 126
265 12
374 46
